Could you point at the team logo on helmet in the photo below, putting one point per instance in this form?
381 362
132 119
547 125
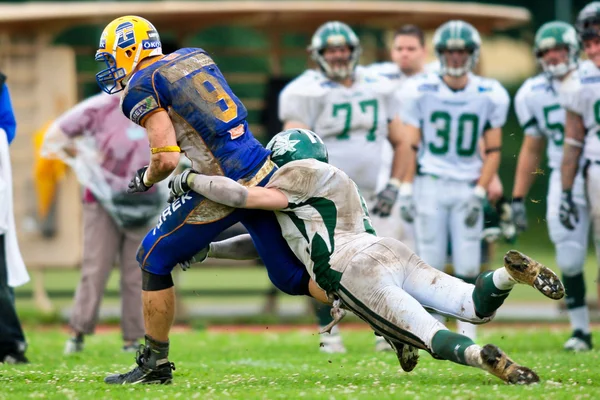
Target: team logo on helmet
283 144
125 35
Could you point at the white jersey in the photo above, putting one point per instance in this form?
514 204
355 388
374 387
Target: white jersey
391 71
580 94
540 114
451 122
326 222
353 122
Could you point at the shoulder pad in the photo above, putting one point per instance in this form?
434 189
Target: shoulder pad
310 83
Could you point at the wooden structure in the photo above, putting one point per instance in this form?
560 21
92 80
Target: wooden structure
46 79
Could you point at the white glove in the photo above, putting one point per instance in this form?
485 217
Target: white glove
198 258
407 203
474 206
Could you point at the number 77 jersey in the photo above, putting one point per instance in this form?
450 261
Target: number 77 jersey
209 120
452 122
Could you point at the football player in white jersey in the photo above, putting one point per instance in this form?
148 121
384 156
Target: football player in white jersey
445 115
351 109
543 120
326 223
580 96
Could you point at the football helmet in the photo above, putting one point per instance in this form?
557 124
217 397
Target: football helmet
297 144
335 34
124 43
457 35
588 21
552 35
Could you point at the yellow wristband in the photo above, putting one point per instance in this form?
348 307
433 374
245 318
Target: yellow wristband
166 149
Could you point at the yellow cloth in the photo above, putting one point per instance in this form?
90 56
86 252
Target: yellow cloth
47 174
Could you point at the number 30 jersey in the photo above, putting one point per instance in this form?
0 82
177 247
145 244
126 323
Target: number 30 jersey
353 122
452 122
541 115
209 120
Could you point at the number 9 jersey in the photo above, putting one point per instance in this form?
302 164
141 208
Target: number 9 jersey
452 122
209 120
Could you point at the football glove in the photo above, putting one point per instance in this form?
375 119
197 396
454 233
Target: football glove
407 203
568 214
474 206
386 199
179 184
519 214
507 221
136 185
198 258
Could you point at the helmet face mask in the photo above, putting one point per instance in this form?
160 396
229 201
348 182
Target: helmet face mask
556 48
124 43
456 37
329 49
588 22
297 144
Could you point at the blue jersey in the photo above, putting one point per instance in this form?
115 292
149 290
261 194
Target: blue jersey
209 120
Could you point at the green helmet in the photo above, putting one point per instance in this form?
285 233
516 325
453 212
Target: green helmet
552 35
457 35
588 21
335 34
297 144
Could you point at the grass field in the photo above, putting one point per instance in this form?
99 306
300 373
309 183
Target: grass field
274 365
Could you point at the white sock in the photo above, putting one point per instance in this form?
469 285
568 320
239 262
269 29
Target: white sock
467 329
473 356
502 279
580 319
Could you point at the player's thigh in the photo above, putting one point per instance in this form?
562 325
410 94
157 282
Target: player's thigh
185 227
370 291
431 223
570 245
465 240
440 292
592 184
286 272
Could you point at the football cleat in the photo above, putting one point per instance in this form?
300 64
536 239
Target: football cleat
74 345
331 343
530 272
496 362
143 373
579 341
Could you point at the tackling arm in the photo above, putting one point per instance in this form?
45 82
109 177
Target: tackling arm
226 191
529 160
573 145
164 160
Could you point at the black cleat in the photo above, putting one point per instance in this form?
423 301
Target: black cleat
144 373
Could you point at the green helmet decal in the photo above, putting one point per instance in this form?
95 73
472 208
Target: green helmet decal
335 34
297 144
556 34
588 21
457 35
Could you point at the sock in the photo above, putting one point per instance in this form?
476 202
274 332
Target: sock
503 280
473 356
451 346
467 279
323 312
575 290
159 352
580 319
487 295
467 329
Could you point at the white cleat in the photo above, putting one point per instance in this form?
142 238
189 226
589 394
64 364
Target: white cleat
73 346
331 344
579 342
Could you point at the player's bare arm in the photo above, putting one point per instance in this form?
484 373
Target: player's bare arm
163 144
527 165
409 152
395 138
574 138
492 139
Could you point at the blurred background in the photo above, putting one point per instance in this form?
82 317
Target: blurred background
47 52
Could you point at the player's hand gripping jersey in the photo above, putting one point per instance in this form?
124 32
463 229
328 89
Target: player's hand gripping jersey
209 120
452 122
353 122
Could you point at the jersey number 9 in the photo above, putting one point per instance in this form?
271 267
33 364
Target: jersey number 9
211 91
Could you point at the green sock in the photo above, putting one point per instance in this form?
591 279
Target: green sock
575 290
451 346
323 312
487 298
467 279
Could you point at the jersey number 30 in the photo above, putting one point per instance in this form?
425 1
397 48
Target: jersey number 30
442 121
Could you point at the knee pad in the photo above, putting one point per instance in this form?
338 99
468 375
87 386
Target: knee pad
570 257
153 283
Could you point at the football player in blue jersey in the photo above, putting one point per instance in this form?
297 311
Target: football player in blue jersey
185 104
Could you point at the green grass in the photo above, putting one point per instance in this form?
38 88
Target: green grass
288 365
